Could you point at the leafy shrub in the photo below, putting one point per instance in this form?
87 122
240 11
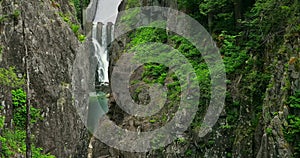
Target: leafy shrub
9 78
292 131
13 143
269 131
81 37
145 35
19 103
2 119
157 72
18 97
75 28
132 3
234 56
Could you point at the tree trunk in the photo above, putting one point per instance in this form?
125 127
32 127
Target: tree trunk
237 11
210 22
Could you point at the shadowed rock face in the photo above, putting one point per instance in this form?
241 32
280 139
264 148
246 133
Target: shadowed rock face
51 47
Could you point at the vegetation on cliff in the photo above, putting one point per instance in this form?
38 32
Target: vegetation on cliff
259 44
252 37
12 140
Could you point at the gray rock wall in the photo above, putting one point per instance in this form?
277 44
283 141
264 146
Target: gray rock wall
52 47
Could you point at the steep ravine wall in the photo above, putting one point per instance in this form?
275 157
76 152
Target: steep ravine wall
283 84
52 46
258 110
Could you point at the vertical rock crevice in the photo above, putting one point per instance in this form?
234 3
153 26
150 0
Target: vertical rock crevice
51 46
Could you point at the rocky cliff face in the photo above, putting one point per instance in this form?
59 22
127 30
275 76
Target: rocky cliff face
249 126
38 28
284 83
253 121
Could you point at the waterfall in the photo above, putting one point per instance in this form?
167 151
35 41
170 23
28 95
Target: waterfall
102 35
112 33
106 12
101 52
98 103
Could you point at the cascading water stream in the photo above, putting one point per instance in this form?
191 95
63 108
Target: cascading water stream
106 12
112 33
101 53
102 35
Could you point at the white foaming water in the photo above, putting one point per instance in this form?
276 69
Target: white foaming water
107 11
112 33
101 53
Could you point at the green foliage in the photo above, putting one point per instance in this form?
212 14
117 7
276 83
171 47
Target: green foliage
228 154
16 14
81 37
209 6
226 126
187 49
195 58
3 18
245 45
233 55
19 102
145 35
157 72
269 131
221 14
181 140
13 142
271 15
0 52
152 121
130 18
65 17
153 73
79 6
188 152
191 8
266 23
292 131
2 119
20 116
18 97
132 4
201 70
9 78
295 100
75 27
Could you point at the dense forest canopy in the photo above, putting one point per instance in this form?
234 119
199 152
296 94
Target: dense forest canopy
252 37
